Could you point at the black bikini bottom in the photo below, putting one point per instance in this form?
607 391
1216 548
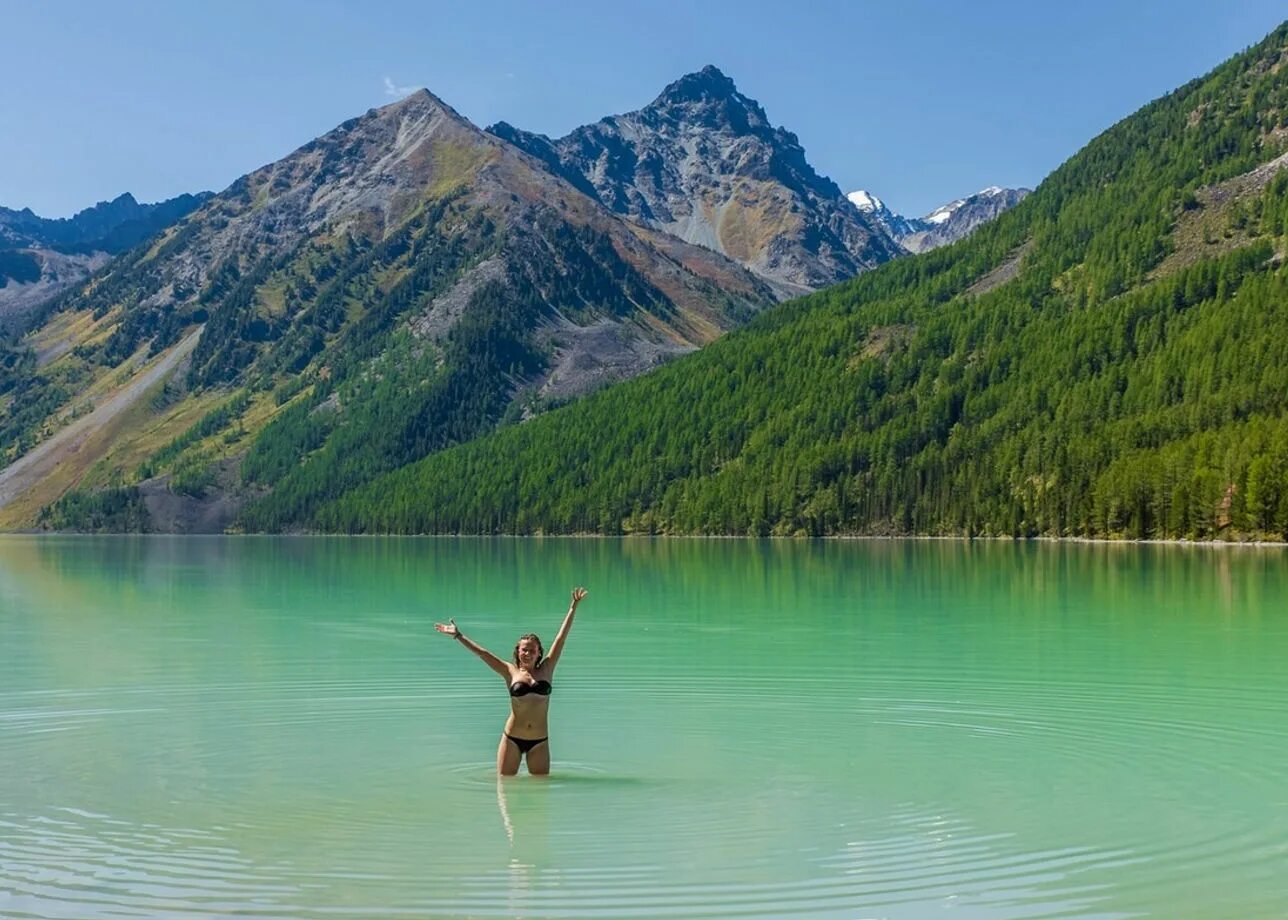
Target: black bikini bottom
525 744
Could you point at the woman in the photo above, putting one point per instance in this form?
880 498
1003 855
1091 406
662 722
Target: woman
529 680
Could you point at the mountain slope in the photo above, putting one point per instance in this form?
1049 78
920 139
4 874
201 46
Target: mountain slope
1109 358
401 283
703 163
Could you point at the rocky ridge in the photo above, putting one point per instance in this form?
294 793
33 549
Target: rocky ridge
109 226
703 163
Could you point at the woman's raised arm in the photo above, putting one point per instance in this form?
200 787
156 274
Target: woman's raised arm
496 664
556 649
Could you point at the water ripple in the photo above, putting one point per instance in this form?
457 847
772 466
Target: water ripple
617 831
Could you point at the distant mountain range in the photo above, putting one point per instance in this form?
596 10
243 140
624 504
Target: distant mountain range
41 257
945 224
109 226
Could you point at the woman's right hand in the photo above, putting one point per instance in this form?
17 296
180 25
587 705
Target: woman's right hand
449 629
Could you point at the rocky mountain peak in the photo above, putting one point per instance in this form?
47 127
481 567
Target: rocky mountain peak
124 201
707 85
896 225
421 102
709 100
703 162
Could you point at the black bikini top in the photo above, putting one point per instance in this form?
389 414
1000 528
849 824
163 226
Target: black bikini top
541 688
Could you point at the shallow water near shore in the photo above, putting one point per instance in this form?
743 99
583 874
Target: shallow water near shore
270 727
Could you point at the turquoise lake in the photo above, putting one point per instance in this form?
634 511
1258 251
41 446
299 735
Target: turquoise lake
270 727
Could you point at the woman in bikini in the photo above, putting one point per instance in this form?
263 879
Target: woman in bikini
529 679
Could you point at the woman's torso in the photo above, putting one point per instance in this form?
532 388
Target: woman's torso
530 707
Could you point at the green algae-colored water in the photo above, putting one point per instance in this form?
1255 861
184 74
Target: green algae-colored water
271 728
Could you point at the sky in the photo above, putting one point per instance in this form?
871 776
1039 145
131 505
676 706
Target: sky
919 102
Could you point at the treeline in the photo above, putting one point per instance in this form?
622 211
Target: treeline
1087 396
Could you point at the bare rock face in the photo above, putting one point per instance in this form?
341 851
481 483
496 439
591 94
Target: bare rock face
702 162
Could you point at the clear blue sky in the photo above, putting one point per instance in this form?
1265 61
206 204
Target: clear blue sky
918 101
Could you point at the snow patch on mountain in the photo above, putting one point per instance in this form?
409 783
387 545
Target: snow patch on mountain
866 201
946 223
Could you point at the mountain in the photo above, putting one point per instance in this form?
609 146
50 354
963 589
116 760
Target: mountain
945 224
402 283
1107 359
703 163
950 222
872 207
40 257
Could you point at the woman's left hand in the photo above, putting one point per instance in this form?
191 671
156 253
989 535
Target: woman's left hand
449 629
577 595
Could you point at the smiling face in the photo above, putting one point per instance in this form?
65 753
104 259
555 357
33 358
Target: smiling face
528 652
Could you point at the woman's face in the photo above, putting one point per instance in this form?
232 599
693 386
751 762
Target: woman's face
527 652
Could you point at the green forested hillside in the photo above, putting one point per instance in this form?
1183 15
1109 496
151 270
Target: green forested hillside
1110 358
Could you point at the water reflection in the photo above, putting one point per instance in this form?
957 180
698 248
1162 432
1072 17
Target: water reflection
407 575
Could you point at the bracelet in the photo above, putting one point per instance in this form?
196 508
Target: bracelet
459 635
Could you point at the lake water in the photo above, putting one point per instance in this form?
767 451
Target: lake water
271 728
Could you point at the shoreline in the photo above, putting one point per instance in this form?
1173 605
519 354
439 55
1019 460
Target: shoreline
1056 541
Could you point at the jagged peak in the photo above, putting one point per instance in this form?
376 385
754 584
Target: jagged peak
122 202
707 89
708 83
